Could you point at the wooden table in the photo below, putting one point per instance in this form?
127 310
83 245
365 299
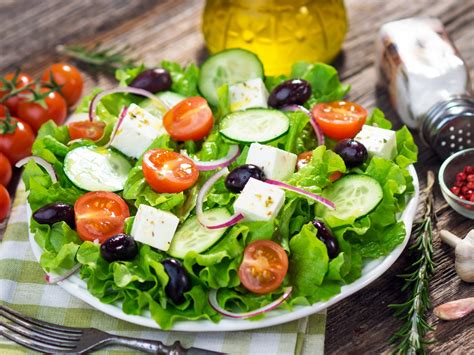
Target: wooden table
171 30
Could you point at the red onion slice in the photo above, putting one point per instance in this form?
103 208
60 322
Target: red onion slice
303 192
200 201
122 115
215 305
40 161
123 89
231 156
317 130
52 279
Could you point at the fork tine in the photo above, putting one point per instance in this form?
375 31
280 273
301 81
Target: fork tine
28 333
45 327
31 344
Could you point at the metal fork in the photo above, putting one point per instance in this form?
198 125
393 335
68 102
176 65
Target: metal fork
51 338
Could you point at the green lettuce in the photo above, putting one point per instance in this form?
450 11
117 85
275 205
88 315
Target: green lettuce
185 79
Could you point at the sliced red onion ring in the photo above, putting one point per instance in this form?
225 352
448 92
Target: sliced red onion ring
40 161
317 130
215 305
122 89
58 278
122 115
303 192
200 201
233 154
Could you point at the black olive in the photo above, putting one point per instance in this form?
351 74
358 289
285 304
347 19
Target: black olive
119 247
237 178
290 92
352 152
153 80
325 235
179 281
55 212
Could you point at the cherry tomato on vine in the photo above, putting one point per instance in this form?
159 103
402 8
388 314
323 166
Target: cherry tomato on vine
5 170
22 80
167 171
340 119
264 266
100 215
16 138
68 77
4 203
36 115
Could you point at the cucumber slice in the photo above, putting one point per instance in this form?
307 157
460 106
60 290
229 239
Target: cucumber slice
354 196
168 97
97 168
227 67
192 236
254 125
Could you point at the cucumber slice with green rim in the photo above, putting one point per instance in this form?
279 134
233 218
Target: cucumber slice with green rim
168 97
354 197
192 236
97 168
254 125
227 67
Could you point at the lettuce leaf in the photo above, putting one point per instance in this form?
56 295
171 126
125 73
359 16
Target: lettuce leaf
185 79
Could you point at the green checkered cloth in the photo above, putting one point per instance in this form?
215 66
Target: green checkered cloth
23 288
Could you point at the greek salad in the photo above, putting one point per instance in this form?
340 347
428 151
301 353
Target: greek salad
216 191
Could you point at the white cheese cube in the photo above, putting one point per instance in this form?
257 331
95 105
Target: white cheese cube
137 131
379 142
277 164
259 201
251 93
154 227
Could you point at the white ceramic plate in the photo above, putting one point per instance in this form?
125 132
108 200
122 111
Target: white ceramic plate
371 271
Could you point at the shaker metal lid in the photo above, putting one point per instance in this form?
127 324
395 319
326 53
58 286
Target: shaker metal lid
448 126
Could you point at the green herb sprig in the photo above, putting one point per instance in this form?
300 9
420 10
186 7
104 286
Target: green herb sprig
411 337
98 58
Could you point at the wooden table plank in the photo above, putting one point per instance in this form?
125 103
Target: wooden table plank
159 30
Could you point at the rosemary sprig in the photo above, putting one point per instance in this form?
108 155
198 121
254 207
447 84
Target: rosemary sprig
99 59
410 338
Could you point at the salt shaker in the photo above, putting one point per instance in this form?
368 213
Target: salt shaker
428 82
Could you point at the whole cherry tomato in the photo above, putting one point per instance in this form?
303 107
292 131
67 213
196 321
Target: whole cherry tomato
22 80
36 115
16 138
68 77
4 203
5 170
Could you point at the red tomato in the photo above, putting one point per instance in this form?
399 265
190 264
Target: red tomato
303 159
69 78
340 119
4 203
3 110
167 171
100 215
16 139
190 119
12 103
5 170
264 266
35 114
86 129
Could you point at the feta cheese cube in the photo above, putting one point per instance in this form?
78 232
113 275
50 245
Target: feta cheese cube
378 141
251 93
259 201
137 131
277 164
154 227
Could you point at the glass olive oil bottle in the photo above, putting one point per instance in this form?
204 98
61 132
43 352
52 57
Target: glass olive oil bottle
281 32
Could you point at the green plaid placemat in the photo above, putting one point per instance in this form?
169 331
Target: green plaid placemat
23 288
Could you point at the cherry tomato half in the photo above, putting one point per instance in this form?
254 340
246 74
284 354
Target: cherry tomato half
16 139
4 203
36 115
190 119
264 266
5 170
100 215
86 129
167 171
69 78
12 103
340 119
